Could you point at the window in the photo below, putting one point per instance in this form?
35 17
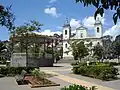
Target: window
97 29
65 32
81 35
98 42
66 45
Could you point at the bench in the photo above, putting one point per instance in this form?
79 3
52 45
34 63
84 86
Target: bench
20 78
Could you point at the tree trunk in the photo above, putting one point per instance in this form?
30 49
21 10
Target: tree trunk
79 59
118 59
27 50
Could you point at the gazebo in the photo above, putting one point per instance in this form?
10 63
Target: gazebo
28 59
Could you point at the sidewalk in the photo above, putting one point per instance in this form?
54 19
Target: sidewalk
77 81
64 78
63 72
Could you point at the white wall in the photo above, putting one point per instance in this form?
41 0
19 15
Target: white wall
66 49
98 34
65 37
78 33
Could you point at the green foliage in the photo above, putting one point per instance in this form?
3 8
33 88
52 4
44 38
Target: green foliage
2 47
36 72
4 53
100 71
49 50
96 63
25 38
14 70
107 42
98 51
6 17
102 5
78 87
116 47
79 50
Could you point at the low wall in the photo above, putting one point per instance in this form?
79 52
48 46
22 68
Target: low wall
19 60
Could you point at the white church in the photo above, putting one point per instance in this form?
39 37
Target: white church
81 34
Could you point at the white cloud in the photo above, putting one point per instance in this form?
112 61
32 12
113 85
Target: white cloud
52 1
74 23
52 11
59 27
89 21
73 31
113 31
49 32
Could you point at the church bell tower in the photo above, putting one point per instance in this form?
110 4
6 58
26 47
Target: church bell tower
66 38
66 30
98 28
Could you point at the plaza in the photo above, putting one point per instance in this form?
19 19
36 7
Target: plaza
64 77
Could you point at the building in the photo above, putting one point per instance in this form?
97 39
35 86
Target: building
81 34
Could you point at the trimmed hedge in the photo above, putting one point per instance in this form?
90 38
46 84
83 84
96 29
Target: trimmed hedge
97 63
103 72
14 70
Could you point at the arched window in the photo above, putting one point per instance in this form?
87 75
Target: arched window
98 42
98 29
66 45
65 32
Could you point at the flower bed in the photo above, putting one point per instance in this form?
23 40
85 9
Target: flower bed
39 82
78 87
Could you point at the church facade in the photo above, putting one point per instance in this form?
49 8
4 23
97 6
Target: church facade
81 35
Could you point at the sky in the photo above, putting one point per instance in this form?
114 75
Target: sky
53 13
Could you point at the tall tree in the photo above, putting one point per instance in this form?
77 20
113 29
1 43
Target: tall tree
102 5
116 46
22 33
98 51
79 49
107 44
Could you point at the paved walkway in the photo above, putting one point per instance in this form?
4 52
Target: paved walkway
64 78
9 83
64 73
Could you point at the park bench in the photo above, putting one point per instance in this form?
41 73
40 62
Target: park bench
20 78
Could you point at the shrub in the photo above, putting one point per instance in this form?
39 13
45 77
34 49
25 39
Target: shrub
78 87
112 63
103 72
75 69
36 72
78 63
14 70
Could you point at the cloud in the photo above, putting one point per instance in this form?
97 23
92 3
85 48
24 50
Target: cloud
59 27
74 23
52 1
113 31
49 32
89 21
52 11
